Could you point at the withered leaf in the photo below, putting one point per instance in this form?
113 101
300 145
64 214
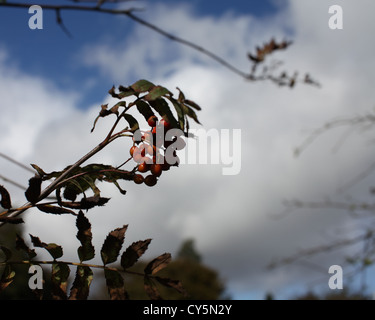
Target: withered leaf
158 263
86 251
47 208
39 170
21 245
112 245
53 249
175 284
11 220
7 277
112 92
59 280
5 198
91 202
81 285
7 253
33 191
133 253
115 285
151 289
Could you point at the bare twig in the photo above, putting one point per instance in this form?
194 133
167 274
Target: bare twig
16 162
320 249
281 80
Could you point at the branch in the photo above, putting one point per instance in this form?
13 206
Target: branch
16 162
282 80
325 248
365 122
77 264
47 191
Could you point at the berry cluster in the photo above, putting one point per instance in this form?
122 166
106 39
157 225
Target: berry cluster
146 151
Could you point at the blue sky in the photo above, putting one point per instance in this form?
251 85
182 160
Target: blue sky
52 86
52 54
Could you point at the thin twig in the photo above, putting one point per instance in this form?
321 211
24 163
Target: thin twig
77 264
16 162
129 13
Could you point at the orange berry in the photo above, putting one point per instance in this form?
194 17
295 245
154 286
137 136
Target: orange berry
156 169
166 124
143 167
132 149
152 121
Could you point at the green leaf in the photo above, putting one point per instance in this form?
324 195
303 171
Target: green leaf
180 113
142 86
21 245
81 285
162 107
53 249
158 263
133 253
190 112
156 93
192 104
7 277
112 245
59 279
133 123
144 109
115 285
86 251
5 198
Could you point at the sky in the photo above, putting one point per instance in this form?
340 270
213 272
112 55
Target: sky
52 86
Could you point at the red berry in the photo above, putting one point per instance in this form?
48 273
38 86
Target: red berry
132 149
143 167
156 169
166 124
150 180
152 121
138 178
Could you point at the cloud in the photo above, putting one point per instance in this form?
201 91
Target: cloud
232 218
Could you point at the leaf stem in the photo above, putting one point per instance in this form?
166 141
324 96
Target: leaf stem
77 264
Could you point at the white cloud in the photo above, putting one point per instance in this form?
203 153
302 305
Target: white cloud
229 216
